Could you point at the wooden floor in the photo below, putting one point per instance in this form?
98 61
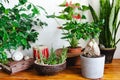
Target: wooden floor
112 72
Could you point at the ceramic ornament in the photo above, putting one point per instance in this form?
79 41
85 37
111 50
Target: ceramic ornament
17 56
92 48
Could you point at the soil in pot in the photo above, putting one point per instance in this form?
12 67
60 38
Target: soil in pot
109 53
49 69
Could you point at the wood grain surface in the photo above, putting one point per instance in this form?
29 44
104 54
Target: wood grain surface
112 72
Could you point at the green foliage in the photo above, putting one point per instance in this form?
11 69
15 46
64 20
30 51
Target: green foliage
63 56
109 13
16 26
69 11
54 58
74 31
22 1
3 57
72 27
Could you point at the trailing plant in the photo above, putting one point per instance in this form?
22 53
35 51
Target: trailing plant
17 26
109 13
53 58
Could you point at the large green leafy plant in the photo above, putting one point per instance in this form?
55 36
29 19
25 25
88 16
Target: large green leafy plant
77 31
16 26
71 15
109 14
73 28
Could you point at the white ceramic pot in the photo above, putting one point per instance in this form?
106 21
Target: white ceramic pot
92 68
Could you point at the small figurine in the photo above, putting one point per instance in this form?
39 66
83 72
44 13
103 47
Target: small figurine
17 56
92 49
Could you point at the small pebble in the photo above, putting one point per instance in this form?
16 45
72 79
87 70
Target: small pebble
26 57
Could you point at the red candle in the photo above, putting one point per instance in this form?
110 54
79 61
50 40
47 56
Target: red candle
44 51
36 53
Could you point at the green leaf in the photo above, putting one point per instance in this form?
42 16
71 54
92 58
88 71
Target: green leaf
84 8
42 9
63 55
5 37
24 42
25 15
35 10
51 16
6 11
78 4
94 15
22 9
15 23
63 4
83 17
29 7
63 16
22 1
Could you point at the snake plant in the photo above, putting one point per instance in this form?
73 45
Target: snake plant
109 13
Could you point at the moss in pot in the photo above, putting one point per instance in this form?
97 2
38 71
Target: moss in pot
52 64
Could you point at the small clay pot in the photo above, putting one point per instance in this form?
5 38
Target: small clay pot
76 50
49 69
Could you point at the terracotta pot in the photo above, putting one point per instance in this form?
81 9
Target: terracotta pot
49 69
109 53
76 50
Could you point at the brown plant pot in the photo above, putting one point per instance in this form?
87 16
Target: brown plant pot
76 50
109 53
49 69
73 61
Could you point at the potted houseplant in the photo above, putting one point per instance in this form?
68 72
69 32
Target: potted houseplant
92 62
72 17
74 29
108 37
16 27
49 65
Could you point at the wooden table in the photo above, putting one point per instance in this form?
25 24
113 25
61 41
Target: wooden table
112 72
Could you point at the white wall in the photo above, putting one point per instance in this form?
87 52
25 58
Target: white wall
50 35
